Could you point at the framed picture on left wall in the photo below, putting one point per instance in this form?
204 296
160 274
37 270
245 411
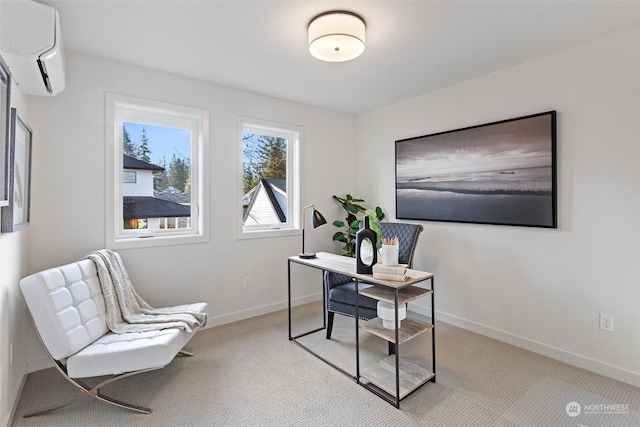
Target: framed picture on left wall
18 212
5 108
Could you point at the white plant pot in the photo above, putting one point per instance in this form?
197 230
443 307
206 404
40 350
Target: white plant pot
387 312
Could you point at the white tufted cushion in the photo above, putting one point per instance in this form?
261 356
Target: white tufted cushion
67 306
118 353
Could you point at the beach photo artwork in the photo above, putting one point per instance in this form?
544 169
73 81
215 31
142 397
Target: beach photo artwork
497 173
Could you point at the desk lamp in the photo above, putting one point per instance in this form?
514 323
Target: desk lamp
318 220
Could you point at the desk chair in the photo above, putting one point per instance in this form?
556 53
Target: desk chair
340 290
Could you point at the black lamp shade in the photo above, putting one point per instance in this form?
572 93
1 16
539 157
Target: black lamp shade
318 219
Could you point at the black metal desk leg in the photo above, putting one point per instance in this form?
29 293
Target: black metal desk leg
433 330
289 294
397 350
357 332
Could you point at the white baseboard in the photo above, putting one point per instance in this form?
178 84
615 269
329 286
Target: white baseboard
9 417
574 359
264 309
38 364
556 353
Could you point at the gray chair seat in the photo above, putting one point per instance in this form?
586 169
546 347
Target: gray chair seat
346 294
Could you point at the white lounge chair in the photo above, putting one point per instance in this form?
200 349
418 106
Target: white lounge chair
68 310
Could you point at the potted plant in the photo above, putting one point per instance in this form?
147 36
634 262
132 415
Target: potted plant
351 224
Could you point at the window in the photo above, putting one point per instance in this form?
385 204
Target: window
156 173
129 177
270 178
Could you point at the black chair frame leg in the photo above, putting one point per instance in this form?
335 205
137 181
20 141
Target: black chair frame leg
330 315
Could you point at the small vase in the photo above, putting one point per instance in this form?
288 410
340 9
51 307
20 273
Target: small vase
366 253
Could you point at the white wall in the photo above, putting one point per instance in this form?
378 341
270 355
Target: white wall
68 211
541 289
13 318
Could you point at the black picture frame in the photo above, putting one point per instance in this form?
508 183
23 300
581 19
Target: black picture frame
18 213
501 173
5 110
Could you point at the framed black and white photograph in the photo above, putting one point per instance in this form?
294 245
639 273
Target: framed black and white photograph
17 214
500 173
5 107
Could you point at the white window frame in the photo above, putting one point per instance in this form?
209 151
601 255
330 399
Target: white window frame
293 134
120 109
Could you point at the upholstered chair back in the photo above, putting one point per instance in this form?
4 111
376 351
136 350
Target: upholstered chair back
407 235
67 306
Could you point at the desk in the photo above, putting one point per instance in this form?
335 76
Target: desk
391 378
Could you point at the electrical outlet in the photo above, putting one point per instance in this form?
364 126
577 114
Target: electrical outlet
246 281
606 322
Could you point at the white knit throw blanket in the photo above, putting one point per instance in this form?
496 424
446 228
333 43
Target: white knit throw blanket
126 311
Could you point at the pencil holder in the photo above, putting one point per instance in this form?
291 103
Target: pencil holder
390 255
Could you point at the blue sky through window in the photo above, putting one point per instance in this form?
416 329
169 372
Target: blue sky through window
163 141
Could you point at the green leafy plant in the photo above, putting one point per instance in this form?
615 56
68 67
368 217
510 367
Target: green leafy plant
351 223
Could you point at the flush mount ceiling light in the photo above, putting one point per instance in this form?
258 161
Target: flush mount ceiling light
336 36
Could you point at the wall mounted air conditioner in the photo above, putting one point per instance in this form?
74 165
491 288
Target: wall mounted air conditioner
31 45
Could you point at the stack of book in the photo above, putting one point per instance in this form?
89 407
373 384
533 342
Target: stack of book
387 272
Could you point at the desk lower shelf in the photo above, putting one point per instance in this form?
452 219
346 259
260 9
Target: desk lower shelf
409 328
383 376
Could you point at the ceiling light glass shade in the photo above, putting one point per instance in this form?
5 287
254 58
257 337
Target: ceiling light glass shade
336 36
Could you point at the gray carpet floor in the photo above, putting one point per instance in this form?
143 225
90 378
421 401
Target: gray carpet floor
249 374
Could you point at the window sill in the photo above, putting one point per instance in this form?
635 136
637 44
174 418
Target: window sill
261 234
158 240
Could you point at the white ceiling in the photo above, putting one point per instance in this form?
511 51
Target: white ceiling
413 47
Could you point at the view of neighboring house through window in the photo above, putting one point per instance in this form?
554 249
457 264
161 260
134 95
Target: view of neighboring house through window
158 188
161 197
269 176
